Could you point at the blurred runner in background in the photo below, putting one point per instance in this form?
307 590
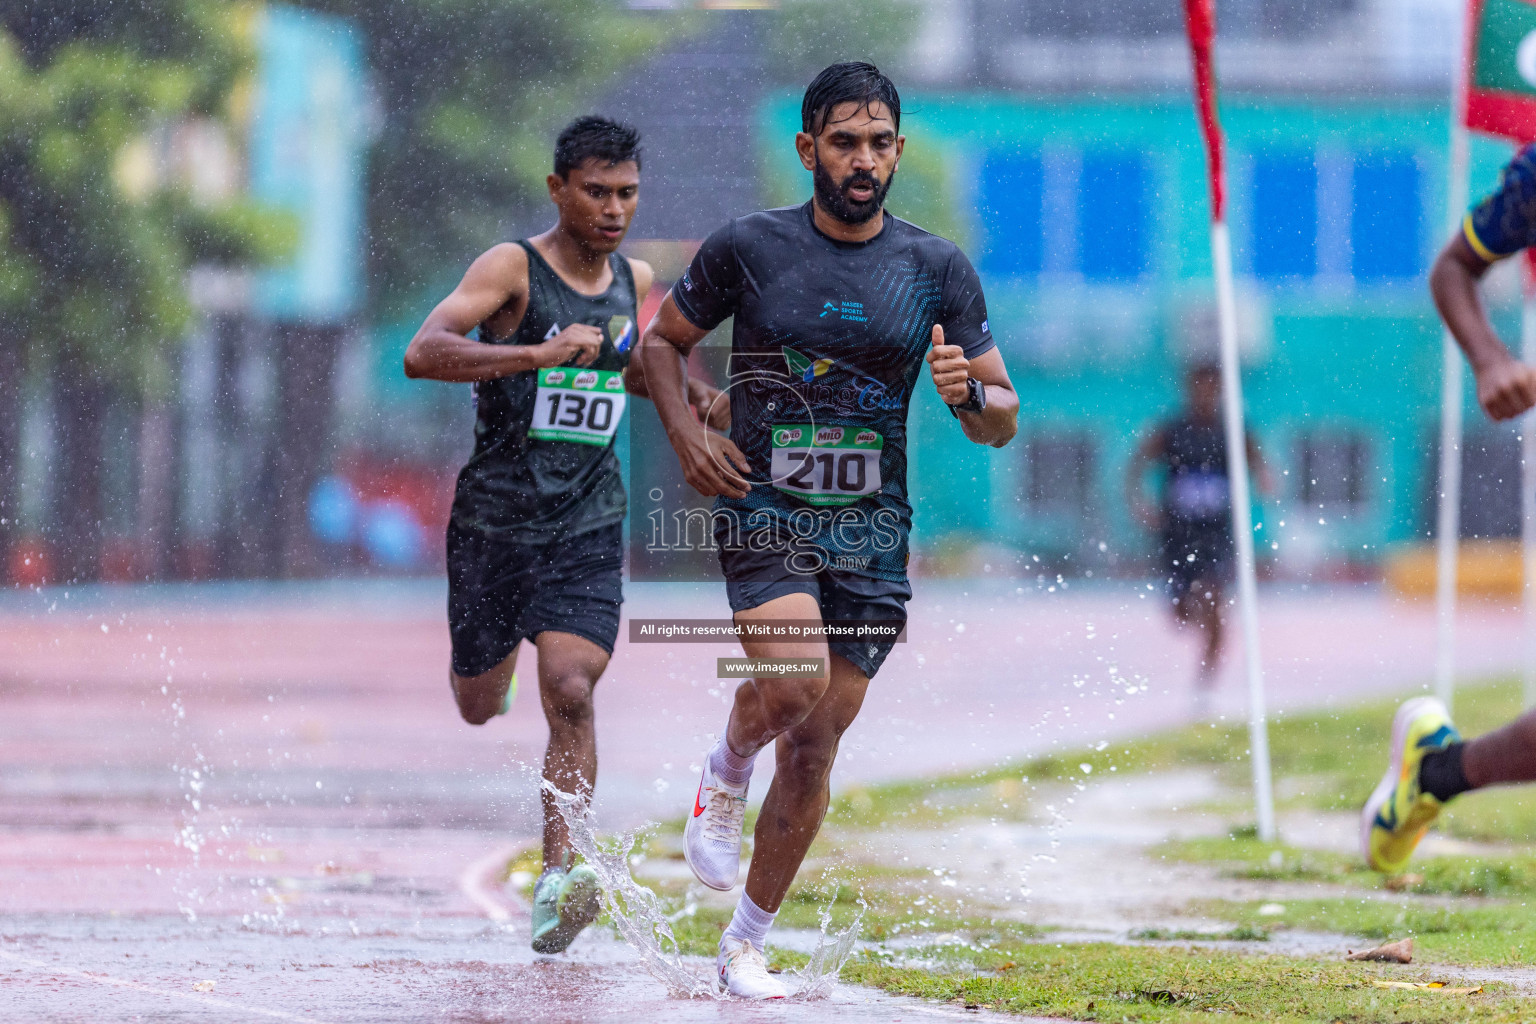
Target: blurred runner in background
535 539
1428 762
1193 520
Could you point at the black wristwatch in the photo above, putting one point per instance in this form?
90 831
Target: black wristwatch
976 398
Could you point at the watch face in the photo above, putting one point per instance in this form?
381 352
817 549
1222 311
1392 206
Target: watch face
978 399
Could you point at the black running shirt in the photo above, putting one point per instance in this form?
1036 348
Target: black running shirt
543 465
1197 490
827 345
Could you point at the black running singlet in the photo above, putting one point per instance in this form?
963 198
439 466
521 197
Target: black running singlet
543 464
1197 489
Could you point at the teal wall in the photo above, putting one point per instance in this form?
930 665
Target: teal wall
1097 349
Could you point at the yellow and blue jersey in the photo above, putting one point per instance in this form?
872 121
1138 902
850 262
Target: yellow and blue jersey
1505 221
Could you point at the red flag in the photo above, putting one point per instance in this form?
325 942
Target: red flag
1200 21
1499 68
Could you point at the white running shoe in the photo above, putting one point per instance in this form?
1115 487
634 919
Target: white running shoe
712 837
744 972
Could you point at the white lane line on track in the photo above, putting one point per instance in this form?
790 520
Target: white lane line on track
472 882
192 997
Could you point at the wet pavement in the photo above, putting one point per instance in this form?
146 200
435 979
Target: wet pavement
268 788
445 969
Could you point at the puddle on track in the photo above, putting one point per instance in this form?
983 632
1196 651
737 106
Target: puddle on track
439 969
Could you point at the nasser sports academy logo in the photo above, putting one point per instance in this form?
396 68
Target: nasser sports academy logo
845 310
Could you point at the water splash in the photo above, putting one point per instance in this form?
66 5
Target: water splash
637 912
645 924
819 975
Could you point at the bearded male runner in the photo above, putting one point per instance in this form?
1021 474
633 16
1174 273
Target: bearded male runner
837 306
1428 762
535 538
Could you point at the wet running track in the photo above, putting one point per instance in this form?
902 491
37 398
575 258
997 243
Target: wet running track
237 803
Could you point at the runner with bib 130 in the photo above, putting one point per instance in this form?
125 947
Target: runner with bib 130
535 538
837 307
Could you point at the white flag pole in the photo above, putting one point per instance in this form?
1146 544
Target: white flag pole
1528 482
1200 23
1242 527
1448 525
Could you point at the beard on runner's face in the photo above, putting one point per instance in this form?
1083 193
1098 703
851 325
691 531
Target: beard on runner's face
833 196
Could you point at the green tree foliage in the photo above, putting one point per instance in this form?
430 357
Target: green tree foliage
805 36
93 272
471 93
98 230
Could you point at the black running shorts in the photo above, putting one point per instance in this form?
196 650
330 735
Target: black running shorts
1196 551
500 592
754 578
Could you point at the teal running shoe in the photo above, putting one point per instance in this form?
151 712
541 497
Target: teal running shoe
506 702
564 903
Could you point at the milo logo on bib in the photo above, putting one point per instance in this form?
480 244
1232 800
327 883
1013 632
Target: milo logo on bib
826 465
578 406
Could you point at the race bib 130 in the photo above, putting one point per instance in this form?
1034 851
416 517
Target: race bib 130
578 406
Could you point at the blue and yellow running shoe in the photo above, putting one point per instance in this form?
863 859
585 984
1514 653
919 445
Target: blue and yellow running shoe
1399 812
564 902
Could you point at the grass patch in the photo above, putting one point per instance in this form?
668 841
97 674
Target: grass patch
1242 933
1120 983
887 902
1481 933
1474 876
928 802
1242 856
1333 759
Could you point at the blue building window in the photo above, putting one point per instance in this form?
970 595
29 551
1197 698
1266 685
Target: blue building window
1284 215
1384 227
1113 216
1011 191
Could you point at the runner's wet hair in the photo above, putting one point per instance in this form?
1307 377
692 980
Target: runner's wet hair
849 80
595 138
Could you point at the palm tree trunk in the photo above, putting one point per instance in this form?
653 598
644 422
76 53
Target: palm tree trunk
12 396
305 414
80 413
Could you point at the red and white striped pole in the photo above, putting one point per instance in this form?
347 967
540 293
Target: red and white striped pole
1200 20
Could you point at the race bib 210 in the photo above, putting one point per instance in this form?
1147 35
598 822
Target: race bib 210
826 465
